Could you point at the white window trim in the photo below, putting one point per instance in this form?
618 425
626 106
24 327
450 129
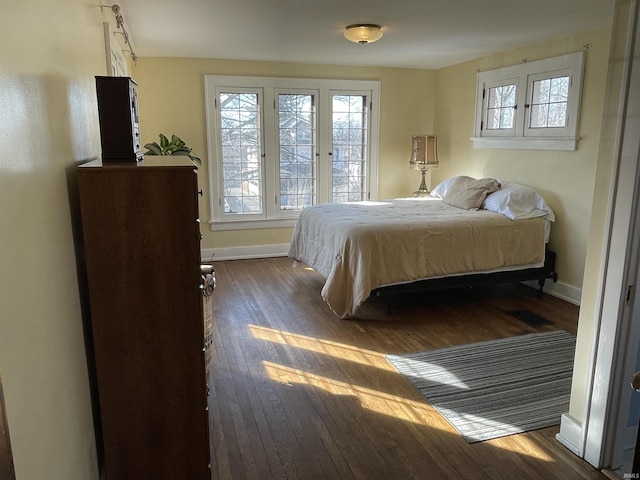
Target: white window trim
523 137
270 85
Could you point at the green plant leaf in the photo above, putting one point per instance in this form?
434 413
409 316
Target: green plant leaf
181 151
174 147
153 149
177 141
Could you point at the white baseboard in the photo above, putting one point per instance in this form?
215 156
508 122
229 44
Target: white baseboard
570 434
238 253
564 291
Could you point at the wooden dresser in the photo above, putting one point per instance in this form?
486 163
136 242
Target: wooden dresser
142 250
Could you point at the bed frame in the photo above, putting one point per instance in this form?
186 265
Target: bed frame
541 274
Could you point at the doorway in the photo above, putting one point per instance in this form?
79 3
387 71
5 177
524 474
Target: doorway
613 409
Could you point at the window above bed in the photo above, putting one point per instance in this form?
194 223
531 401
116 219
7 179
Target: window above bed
534 105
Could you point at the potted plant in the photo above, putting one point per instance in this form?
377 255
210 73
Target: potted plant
174 147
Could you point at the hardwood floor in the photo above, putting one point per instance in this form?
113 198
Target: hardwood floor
297 393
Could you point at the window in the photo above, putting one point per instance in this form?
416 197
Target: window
296 150
241 151
501 104
349 147
278 145
530 106
549 103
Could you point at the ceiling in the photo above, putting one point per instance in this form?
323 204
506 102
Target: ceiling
427 34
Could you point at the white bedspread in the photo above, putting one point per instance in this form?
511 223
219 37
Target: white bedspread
362 246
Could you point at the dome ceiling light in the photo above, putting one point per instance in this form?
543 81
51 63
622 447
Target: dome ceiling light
363 33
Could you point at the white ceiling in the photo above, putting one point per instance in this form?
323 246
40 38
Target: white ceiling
417 33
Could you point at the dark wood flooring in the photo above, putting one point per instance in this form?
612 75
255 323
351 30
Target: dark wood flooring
297 393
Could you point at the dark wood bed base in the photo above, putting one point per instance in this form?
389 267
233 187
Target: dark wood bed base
541 274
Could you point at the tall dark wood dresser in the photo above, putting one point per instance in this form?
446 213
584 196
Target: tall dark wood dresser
142 250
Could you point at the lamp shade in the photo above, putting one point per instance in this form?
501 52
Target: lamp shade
424 152
363 33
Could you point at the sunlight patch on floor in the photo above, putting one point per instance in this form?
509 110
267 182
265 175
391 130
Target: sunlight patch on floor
522 445
341 351
421 413
435 371
391 405
326 347
296 263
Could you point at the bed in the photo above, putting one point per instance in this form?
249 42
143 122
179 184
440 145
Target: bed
467 228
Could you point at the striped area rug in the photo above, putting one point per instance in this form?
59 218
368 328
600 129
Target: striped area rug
496 388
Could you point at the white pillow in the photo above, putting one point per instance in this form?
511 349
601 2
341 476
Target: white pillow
517 201
440 190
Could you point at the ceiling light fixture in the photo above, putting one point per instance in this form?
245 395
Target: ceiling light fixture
363 33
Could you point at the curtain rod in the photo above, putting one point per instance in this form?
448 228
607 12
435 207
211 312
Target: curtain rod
120 24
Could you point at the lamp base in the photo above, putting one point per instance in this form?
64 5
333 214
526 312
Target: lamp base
422 191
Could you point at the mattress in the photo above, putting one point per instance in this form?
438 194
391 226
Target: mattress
361 246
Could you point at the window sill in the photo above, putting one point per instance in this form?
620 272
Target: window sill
528 143
223 225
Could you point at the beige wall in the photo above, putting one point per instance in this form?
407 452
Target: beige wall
412 101
171 95
48 122
565 179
